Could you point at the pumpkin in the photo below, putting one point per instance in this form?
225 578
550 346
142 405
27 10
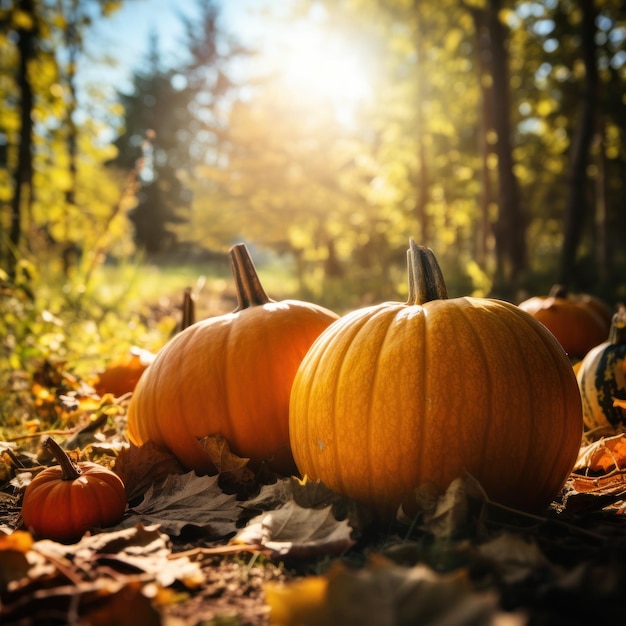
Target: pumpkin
579 322
229 375
396 396
121 377
64 501
602 380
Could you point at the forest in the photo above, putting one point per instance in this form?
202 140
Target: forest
490 131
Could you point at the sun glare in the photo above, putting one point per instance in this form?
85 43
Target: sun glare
323 67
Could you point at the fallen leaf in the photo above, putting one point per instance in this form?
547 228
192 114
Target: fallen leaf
187 500
303 601
137 549
141 466
383 594
514 556
14 563
86 575
271 496
602 455
226 462
298 532
126 607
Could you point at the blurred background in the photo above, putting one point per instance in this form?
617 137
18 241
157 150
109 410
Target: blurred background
140 139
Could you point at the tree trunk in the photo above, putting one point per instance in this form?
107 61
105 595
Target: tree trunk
72 43
604 253
483 228
575 208
24 168
510 228
422 178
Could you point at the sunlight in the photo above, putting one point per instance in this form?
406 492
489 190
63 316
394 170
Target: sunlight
323 66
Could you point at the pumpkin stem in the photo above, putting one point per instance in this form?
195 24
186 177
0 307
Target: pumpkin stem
188 312
617 334
426 281
250 292
70 470
558 291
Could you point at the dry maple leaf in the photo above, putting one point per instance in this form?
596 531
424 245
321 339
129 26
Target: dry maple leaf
294 531
139 467
187 500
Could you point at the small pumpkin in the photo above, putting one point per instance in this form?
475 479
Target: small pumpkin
579 322
64 501
398 395
121 377
230 374
602 380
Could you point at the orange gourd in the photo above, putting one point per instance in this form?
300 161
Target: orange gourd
399 395
231 375
602 380
64 501
121 377
579 322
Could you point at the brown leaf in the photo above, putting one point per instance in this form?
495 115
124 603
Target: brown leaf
271 496
226 462
141 466
187 500
445 513
514 556
137 549
87 575
294 531
127 607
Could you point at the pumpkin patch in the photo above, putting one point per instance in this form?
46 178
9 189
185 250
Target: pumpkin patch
396 396
229 375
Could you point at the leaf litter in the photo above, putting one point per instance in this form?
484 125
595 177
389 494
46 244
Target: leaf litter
249 547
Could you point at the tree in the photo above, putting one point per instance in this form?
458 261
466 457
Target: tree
510 227
578 196
178 108
25 22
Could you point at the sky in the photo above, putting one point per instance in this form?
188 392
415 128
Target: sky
124 36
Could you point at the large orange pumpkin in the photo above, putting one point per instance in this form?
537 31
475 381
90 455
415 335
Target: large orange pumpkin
579 322
399 395
602 380
229 374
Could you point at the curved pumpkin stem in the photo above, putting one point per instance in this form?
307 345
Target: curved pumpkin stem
617 335
250 292
70 470
426 281
558 291
188 310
